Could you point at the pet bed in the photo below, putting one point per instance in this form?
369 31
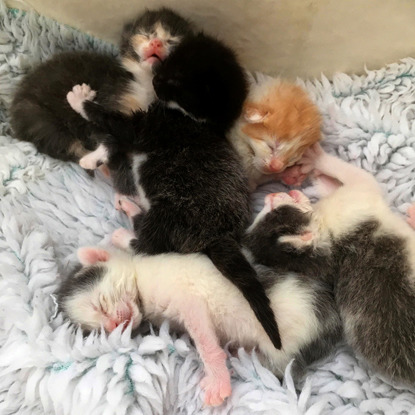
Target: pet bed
49 208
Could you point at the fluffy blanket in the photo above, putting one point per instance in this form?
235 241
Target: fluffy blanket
48 209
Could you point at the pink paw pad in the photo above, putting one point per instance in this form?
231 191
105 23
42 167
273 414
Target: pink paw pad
274 200
129 207
411 216
78 95
90 255
299 197
293 176
217 388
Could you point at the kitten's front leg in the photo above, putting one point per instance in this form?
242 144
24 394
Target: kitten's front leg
77 97
96 158
274 200
315 157
81 100
110 122
197 321
130 208
133 211
281 236
124 238
121 238
293 175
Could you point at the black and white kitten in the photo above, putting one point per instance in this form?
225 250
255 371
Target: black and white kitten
352 239
40 112
193 196
114 288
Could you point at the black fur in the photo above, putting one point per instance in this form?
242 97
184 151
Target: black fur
330 330
120 166
79 279
264 244
372 279
40 112
192 78
375 294
199 197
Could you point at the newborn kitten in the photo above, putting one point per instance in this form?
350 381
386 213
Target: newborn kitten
193 194
40 112
353 240
115 288
278 123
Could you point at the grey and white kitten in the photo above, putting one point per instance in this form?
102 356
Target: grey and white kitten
354 241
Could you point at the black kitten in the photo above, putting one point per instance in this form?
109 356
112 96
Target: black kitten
40 112
193 196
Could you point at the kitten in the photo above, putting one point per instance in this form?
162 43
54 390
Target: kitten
353 240
117 288
279 122
193 194
40 112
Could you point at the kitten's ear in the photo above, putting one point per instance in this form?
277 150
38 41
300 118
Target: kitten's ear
91 255
254 115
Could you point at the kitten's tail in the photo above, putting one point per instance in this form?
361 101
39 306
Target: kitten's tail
226 255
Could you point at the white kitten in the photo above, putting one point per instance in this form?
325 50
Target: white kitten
116 287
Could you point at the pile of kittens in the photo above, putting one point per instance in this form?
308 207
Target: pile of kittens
185 133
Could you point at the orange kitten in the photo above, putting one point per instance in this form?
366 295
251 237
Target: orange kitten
279 122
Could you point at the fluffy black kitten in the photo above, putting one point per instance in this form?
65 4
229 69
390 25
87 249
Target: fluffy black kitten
193 194
40 112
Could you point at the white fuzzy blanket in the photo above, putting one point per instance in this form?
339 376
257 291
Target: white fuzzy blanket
49 208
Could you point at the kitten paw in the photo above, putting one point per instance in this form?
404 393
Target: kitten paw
311 157
122 237
274 200
129 207
89 162
294 197
103 168
411 216
300 199
217 388
77 97
94 159
293 176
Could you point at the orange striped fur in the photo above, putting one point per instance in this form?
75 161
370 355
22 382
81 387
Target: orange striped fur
279 122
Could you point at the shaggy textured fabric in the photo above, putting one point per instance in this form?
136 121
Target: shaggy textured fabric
49 208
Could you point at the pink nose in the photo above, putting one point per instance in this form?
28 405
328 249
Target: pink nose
276 165
123 314
156 43
113 323
110 325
